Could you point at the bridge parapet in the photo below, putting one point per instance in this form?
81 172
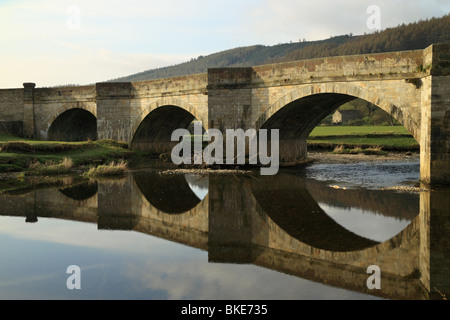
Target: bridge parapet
183 85
386 66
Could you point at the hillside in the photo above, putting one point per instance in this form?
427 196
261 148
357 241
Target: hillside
413 36
238 57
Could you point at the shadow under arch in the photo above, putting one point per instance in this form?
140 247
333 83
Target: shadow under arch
288 203
299 117
75 124
169 193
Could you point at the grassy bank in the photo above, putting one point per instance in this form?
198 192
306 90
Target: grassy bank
321 131
387 138
112 169
48 157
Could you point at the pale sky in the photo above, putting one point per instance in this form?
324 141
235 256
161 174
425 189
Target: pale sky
56 42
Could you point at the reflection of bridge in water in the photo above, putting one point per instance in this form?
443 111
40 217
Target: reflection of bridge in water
270 221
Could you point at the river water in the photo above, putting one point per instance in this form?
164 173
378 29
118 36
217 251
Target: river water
308 233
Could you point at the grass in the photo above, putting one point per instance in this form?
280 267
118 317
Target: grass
46 157
395 138
321 131
111 169
65 166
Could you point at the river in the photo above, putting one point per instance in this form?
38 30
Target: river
307 233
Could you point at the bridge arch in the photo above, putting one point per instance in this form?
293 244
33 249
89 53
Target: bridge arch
153 128
73 124
297 113
330 96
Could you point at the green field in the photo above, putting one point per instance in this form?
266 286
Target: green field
389 138
357 130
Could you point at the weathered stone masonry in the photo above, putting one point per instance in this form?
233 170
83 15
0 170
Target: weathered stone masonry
412 86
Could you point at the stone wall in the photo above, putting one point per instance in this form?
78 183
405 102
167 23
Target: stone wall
11 105
11 111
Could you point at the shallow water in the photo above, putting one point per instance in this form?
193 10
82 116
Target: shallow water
368 174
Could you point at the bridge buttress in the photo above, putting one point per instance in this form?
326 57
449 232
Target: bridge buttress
113 110
435 117
29 128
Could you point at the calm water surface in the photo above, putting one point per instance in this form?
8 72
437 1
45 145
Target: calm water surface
302 234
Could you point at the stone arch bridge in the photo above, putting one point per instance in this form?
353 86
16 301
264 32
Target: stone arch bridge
412 86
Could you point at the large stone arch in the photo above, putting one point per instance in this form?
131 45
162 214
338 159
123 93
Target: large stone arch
342 90
66 107
76 123
165 101
152 129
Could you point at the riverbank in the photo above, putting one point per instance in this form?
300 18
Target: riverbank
25 180
32 157
47 157
28 162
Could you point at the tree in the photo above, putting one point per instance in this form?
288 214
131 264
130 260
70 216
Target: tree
391 120
367 108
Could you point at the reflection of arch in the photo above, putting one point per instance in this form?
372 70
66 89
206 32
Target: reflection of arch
312 103
287 202
168 193
82 191
199 184
154 127
385 203
75 124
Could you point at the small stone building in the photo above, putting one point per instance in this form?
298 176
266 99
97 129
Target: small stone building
343 116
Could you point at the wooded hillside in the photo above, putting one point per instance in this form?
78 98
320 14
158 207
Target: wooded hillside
413 36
